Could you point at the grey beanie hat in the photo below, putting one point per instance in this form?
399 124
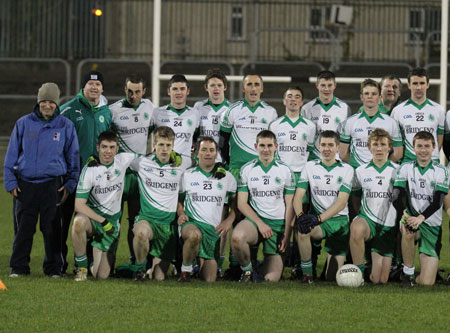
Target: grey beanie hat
49 92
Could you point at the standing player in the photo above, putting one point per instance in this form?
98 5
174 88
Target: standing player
97 203
158 189
375 223
212 108
242 122
183 120
425 183
266 188
205 192
327 112
330 182
131 121
391 88
357 128
418 113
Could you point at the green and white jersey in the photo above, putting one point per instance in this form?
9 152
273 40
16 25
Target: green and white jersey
103 185
447 126
267 187
325 117
159 185
295 138
356 131
210 117
414 118
205 195
326 183
420 185
184 123
244 122
132 124
377 185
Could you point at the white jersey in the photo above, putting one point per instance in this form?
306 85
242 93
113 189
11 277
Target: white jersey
159 185
184 123
325 117
414 118
266 187
447 126
356 131
377 185
244 122
210 117
205 195
326 183
295 140
420 185
103 185
132 124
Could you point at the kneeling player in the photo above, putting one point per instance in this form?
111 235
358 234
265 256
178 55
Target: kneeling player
266 188
97 203
158 189
376 221
205 190
330 182
426 184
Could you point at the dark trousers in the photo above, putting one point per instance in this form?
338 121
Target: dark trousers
36 199
64 219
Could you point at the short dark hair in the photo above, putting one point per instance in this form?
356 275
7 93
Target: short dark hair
293 88
164 132
326 75
391 77
418 71
424 135
216 73
107 136
205 139
135 78
329 135
266 134
377 134
370 83
177 78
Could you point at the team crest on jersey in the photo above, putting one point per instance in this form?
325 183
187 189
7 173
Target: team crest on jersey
304 137
264 121
145 115
219 185
56 136
432 183
173 172
277 180
339 180
189 122
116 172
337 120
98 177
431 117
101 119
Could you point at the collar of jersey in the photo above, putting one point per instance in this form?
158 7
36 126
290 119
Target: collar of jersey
379 170
266 168
424 170
371 119
331 167
206 173
178 112
327 107
421 106
128 105
252 108
290 122
155 158
216 107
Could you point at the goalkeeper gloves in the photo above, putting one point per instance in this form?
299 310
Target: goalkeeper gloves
108 228
219 171
175 159
92 162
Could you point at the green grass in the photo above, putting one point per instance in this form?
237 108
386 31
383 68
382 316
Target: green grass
37 303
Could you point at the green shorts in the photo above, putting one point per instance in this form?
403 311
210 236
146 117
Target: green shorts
210 244
235 172
102 241
336 231
131 187
430 240
382 239
164 241
270 246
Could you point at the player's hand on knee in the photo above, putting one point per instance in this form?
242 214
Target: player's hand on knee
182 219
265 230
108 228
223 228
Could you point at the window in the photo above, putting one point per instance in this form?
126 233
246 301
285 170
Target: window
237 23
319 19
422 22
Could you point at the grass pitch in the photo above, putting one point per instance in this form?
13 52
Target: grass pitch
38 303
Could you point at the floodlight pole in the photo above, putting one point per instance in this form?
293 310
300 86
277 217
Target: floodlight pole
156 51
444 54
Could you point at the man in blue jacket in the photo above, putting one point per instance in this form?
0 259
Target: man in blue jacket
42 166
